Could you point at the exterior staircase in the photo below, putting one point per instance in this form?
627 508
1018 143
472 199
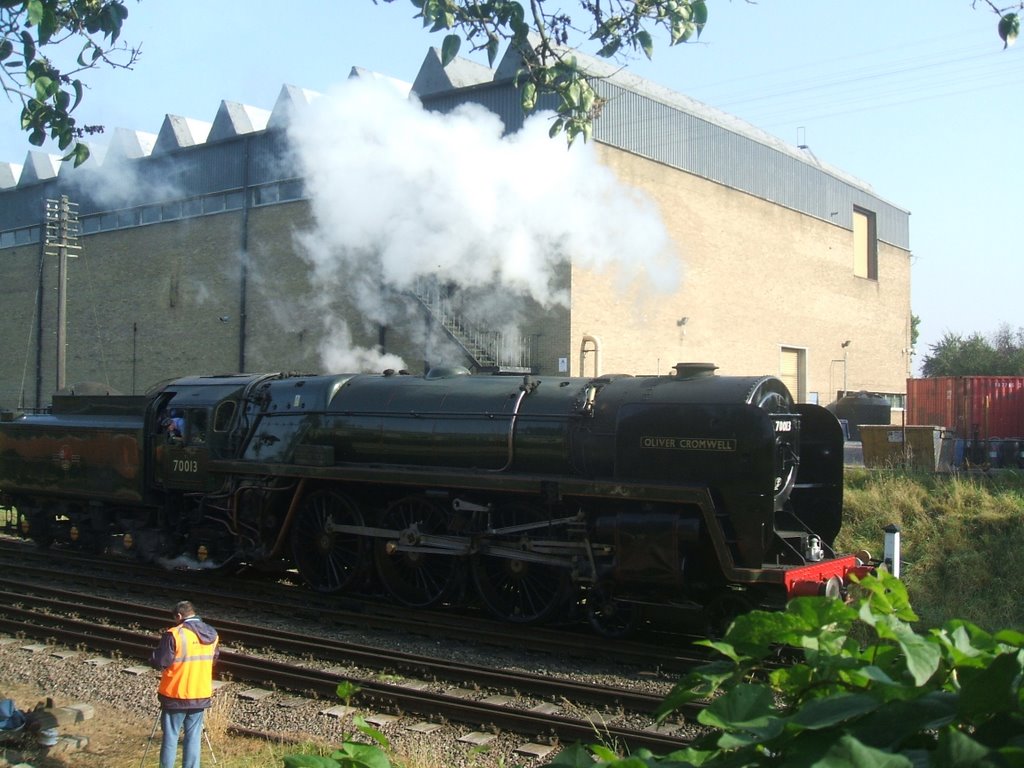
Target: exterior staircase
488 351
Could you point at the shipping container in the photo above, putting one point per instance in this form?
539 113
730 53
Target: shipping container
973 407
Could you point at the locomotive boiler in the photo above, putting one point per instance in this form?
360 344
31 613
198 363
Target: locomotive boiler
532 496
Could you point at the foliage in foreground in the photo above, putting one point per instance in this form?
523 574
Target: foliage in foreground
48 92
351 754
867 691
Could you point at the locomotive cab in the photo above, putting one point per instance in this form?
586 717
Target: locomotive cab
208 411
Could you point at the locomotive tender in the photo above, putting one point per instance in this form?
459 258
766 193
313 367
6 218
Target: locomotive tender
615 493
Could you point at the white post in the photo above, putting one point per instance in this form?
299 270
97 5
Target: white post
891 555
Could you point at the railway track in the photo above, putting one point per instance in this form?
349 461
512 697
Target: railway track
258 592
426 687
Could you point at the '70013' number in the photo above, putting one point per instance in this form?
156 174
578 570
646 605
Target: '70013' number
185 465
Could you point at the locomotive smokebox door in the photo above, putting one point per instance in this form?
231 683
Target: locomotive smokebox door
185 467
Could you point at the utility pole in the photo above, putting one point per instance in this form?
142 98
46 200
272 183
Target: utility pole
62 242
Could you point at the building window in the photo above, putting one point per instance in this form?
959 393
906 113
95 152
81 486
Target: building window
192 207
170 211
233 200
213 203
865 244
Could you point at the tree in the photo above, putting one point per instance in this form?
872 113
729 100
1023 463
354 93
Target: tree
540 30
954 355
541 39
48 93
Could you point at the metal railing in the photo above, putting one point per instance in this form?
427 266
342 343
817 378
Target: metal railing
494 351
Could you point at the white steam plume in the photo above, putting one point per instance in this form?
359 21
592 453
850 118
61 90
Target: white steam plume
399 193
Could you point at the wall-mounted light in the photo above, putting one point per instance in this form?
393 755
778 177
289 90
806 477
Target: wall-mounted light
682 321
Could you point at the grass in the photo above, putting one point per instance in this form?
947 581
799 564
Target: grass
962 538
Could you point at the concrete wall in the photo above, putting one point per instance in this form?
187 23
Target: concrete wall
757 277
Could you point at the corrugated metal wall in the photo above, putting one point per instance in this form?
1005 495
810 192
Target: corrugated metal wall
188 172
641 124
633 121
974 407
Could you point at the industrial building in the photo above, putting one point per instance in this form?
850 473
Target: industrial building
192 255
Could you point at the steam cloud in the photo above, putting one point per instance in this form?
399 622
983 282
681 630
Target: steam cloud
399 193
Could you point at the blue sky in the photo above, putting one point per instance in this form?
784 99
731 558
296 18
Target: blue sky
914 97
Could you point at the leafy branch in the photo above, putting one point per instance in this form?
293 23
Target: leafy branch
540 31
1009 20
47 93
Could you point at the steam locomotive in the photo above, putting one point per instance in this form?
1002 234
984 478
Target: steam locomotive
533 496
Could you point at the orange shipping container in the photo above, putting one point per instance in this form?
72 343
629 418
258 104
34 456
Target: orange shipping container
973 407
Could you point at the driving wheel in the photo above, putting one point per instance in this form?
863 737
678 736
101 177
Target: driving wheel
411 574
328 560
513 585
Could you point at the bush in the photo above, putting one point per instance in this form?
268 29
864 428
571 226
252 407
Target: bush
865 691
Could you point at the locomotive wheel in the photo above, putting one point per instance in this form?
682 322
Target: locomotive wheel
329 561
520 591
416 579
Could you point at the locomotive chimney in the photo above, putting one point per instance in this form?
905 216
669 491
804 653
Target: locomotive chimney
695 370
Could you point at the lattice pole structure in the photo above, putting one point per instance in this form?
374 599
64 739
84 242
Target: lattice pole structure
61 241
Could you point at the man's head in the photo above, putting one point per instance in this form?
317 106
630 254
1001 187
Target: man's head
183 610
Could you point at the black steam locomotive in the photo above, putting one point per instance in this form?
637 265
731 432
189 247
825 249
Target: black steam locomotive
534 495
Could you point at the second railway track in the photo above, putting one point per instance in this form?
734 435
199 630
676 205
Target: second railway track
427 687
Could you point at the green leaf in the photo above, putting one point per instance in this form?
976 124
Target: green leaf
35 10
958 750
492 48
923 656
643 37
346 690
79 153
44 87
353 755
1010 637
900 722
6 49
1009 28
602 752
309 761
700 13
47 26
992 689
528 97
823 713
450 49
28 47
368 730
746 708
573 756
848 752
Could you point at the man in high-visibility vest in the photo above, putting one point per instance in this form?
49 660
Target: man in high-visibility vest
186 655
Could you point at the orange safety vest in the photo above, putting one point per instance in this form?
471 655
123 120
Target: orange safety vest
190 675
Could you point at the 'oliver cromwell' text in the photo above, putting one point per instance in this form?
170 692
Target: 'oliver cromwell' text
689 443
